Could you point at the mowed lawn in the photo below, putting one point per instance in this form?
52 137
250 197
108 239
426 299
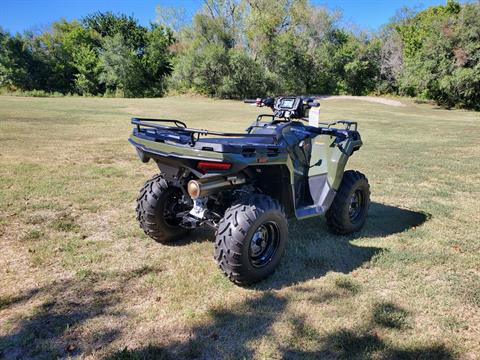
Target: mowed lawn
78 278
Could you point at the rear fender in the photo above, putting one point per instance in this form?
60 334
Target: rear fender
276 181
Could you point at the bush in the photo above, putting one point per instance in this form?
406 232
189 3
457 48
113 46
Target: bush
245 78
461 89
30 93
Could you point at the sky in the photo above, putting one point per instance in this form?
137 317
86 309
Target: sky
21 15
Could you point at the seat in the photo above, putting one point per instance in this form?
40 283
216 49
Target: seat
247 140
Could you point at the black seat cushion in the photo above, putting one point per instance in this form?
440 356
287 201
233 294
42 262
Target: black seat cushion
239 140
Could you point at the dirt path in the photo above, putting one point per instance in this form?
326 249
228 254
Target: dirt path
373 99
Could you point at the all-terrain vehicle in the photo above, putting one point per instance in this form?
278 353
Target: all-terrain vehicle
246 185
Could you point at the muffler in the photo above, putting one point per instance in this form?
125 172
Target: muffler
204 187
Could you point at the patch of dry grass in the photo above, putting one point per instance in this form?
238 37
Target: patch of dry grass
79 278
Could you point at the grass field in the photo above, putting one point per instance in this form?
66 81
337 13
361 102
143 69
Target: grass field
79 278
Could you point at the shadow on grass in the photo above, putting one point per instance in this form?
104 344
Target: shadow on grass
389 315
367 344
49 329
313 251
196 236
237 332
384 220
7 301
233 332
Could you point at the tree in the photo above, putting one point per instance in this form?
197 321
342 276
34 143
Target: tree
441 54
239 48
203 60
157 59
54 70
87 64
121 72
266 21
15 62
245 78
108 24
172 17
391 61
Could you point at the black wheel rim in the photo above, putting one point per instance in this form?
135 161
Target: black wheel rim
264 244
356 205
171 208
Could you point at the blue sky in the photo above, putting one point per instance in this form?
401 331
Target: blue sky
20 15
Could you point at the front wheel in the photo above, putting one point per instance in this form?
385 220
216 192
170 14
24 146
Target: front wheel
251 239
349 209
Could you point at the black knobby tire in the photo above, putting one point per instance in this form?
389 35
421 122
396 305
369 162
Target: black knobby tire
349 209
152 202
251 239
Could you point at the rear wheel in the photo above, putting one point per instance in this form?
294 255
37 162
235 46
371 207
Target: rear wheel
349 209
157 206
251 239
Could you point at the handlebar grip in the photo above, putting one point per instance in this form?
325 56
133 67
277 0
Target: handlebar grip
250 101
270 101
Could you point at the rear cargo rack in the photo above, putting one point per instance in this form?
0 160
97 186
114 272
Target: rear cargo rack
194 134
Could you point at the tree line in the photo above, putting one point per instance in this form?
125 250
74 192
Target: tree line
247 48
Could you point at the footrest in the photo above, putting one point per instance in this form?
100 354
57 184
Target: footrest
309 211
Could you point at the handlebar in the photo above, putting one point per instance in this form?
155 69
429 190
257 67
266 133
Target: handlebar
268 101
288 107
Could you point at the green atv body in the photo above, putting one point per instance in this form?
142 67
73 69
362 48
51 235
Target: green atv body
246 185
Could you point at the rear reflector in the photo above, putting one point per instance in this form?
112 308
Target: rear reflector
207 165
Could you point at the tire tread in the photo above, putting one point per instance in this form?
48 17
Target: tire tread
335 216
232 231
147 214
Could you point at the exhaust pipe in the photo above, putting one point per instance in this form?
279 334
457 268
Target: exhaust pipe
205 187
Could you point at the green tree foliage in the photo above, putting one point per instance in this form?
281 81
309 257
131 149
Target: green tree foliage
16 61
247 48
133 60
245 79
157 60
80 43
361 66
86 62
52 52
441 52
120 67
109 24
102 53
286 46
212 58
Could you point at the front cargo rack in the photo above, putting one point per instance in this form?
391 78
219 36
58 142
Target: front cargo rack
194 134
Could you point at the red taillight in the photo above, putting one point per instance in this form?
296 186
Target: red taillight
207 165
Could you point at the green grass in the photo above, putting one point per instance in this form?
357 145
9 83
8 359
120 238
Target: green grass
79 278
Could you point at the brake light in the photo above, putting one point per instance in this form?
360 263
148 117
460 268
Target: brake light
207 165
